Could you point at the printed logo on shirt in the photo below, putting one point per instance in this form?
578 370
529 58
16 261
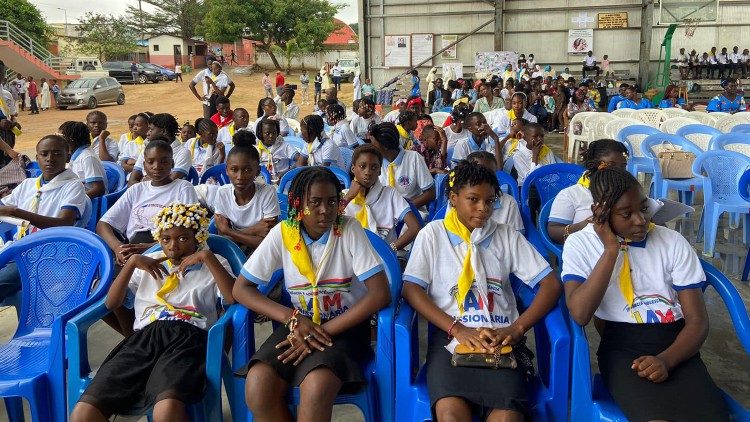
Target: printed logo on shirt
478 310
404 181
330 296
161 313
669 311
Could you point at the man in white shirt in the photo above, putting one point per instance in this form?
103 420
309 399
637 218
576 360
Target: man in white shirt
682 64
735 59
20 83
336 73
177 72
210 94
589 63
723 61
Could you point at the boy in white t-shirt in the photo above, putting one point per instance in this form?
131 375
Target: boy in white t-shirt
320 150
239 123
97 123
56 198
531 153
164 125
83 162
133 148
481 138
245 210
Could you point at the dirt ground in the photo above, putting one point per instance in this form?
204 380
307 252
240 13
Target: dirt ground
163 97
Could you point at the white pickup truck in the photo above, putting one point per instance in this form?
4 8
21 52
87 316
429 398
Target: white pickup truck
87 67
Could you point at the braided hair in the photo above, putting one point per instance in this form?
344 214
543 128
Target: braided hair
315 125
467 173
203 125
76 133
592 158
459 113
387 135
335 113
244 138
247 150
406 116
300 188
190 216
166 122
262 103
609 184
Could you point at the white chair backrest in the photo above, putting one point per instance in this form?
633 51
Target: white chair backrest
650 116
439 117
596 124
624 112
726 123
674 112
613 128
672 124
580 118
707 119
744 115
293 125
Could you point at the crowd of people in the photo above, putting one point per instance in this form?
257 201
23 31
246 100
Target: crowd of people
713 64
30 95
456 269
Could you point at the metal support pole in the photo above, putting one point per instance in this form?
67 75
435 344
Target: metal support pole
364 38
647 26
499 25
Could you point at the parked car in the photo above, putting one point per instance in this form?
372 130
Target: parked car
120 70
87 67
166 74
348 68
90 92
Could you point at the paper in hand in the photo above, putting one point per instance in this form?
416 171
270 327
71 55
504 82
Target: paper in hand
664 210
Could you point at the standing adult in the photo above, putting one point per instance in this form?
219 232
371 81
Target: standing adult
233 58
589 64
45 95
318 82
55 91
177 72
8 124
33 92
357 83
279 82
20 83
267 85
336 73
325 74
134 72
215 83
304 81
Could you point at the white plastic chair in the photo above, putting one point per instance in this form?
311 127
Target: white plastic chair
707 119
613 128
596 124
294 125
672 124
744 115
650 116
624 112
726 123
439 117
674 112
573 139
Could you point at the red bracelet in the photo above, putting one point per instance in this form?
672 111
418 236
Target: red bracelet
450 330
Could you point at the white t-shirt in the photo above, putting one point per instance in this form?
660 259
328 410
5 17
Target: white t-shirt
735 57
722 58
325 152
503 122
283 155
469 145
506 212
572 205
226 135
87 166
178 69
180 155
202 157
454 138
359 125
343 136
682 60
385 209
497 251
523 163
122 145
349 261
590 60
392 116
283 126
264 204
412 175
113 148
661 265
135 210
195 298
336 71
222 81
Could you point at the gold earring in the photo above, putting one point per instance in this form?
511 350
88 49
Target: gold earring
307 211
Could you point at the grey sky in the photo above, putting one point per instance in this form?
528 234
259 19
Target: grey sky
77 8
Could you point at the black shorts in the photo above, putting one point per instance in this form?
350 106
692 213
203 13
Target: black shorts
689 394
164 360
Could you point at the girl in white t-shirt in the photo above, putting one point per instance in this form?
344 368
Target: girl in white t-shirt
457 267
267 110
342 135
378 208
642 284
276 155
125 138
245 210
571 207
204 149
336 283
364 118
83 162
457 131
319 151
133 148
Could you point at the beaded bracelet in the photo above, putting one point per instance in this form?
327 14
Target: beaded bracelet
450 330
566 232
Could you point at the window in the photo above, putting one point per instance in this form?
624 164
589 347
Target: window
156 47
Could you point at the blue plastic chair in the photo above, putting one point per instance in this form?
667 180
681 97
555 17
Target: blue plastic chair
116 177
217 367
376 399
720 172
724 141
662 186
297 142
33 169
698 134
744 192
193 176
589 398
109 199
508 185
548 180
449 156
286 180
551 245
347 155
218 173
414 210
63 270
548 391
632 136
743 128
441 181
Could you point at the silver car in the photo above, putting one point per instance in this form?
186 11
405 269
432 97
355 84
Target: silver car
90 92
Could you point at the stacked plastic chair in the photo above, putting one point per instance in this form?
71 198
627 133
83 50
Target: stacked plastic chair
699 134
651 146
671 125
632 136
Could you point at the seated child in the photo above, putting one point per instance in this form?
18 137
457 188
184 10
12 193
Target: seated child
508 145
433 148
245 210
187 132
456 129
125 137
325 337
164 124
288 109
571 208
97 123
205 152
320 150
364 118
134 147
342 135
378 208
402 169
83 162
457 264
633 101
531 152
224 115
176 294
407 122
320 107
481 138
267 109
276 155
56 198
642 284
240 121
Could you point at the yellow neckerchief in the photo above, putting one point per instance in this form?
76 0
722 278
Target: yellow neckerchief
361 215
310 157
171 282
404 134
139 142
231 130
625 280
6 111
391 174
129 136
584 180
263 148
33 207
295 245
511 115
542 154
192 149
466 276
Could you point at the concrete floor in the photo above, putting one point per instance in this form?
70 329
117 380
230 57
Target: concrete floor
724 356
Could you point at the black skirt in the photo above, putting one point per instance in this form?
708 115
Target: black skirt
485 389
689 394
350 351
164 360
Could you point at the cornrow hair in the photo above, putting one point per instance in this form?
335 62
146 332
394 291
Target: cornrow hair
189 216
244 138
300 188
262 103
335 113
406 116
609 184
96 113
205 125
160 143
592 158
248 150
315 125
222 100
76 133
167 122
387 135
366 149
266 121
476 156
460 112
469 174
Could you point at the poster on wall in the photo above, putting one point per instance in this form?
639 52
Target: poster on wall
397 50
580 41
452 72
451 53
421 48
494 62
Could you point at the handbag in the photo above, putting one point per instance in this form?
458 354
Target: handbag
13 173
502 357
675 163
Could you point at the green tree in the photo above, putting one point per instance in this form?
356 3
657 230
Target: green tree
291 51
178 18
27 18
306 23
105 36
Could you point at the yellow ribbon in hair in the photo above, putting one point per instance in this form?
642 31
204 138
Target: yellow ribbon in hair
171 282
391 174
625 280
292 238
584 180
33 207
466 276
361 215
